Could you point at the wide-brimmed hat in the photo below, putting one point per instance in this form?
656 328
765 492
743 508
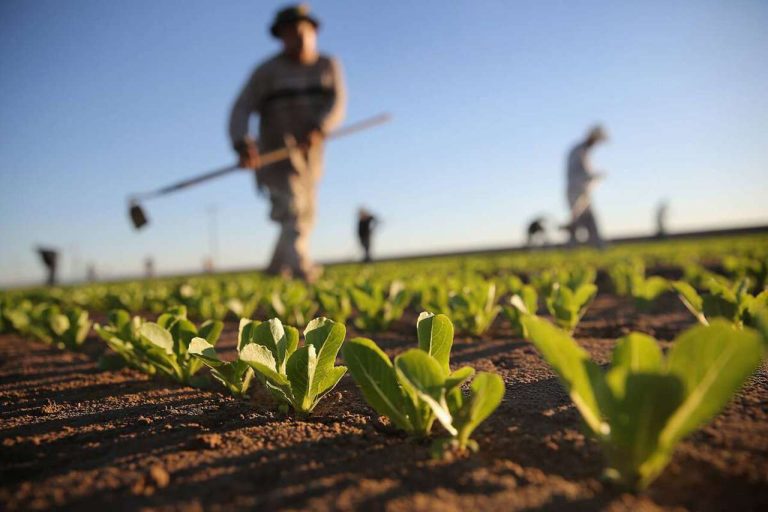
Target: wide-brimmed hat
292 14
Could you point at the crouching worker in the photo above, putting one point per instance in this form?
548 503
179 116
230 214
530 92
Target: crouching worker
299 96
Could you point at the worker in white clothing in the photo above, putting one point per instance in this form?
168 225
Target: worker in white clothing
581 181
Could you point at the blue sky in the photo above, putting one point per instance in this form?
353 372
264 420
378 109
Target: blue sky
101 99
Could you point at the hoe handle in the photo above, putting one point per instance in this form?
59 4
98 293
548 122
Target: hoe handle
266 158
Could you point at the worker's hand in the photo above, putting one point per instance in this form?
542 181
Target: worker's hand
248 155
315 137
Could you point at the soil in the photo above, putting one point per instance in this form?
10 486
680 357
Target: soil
73 437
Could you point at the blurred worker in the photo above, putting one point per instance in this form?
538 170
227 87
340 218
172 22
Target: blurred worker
365 226
537 232
299 96
661 219
581 181
50 258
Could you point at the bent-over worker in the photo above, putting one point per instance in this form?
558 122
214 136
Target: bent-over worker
581 180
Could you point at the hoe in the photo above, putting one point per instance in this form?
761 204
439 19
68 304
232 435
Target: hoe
139 217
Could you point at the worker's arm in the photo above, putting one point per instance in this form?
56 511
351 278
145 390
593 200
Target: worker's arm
590 174
337 107
246 104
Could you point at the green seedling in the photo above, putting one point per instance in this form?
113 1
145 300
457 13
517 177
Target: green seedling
524 301
236 375
567 306
475 308
298 377
66 329
163 345
733 303
419 387
644 404
376 310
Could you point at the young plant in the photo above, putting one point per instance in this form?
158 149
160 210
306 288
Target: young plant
474 309
419 387
243 307
524 301
163 344
376 310
567 306
645 290
335 304
644 404
299 377
734 304
236 375
293 303
122 336
64 329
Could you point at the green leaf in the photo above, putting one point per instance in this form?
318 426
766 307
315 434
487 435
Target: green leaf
245 332
637 417
713 362
268 334
300 369
578 374
374 374
157 336
261 359
690 299
435 333
211 330
199 347
458 377
637 353
423 380
486 394
327 337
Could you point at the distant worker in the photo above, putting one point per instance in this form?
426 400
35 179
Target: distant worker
661 219
299 96
50 258
149 267
366 223
537 232
581 181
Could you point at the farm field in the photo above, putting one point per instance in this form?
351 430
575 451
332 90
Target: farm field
83 428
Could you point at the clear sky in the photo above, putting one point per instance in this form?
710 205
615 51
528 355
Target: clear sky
101 99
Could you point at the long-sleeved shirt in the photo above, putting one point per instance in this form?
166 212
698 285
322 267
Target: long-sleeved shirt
580 175
289 98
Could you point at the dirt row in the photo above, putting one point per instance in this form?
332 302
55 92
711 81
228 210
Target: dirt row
74 437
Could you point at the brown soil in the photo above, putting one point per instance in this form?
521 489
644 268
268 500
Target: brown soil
74 437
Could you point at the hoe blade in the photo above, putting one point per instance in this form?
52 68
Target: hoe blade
138 218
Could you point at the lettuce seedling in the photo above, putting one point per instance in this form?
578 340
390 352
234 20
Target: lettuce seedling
163 344
122 336
567 306
293 303
644 404
572 278
335 304
376 310
524 301
236 375
645 290
733 303
474 309
419 387
65 329
243 307
297 376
